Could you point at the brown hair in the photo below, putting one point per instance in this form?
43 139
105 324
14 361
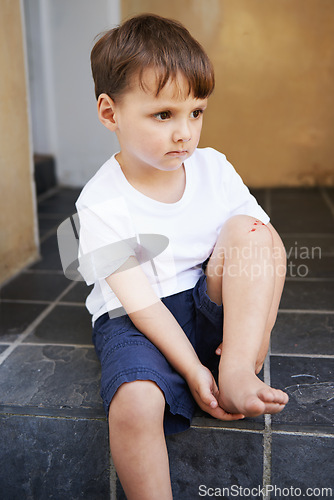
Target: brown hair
150 41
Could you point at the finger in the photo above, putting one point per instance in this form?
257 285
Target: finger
217 411
209 400
219 349
221 414
208 394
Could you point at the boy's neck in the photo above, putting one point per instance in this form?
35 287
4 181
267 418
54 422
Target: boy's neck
166 187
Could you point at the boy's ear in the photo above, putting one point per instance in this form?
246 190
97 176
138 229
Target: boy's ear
106 112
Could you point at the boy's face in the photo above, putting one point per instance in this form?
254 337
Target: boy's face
157 132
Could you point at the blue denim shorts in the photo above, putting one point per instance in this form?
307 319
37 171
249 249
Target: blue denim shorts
127 355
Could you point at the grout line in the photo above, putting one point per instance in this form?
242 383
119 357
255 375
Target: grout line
41 302
48 234
330 253
112 479
26 301
267 436
306 235
48 217
301 280
28 330
272 431
303 433
222 428
43 271
267 447
306 311
308 355
50 192
327 200
58 344
60 214
74 304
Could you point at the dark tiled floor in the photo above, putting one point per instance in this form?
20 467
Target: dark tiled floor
239 452
37 453
53 432
309 381
295 333
51 330
51 376
16 317
306 294
302 465
36 287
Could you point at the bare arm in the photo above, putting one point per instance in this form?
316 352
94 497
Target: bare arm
156 322
152 317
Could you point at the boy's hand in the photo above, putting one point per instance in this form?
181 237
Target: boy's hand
205 392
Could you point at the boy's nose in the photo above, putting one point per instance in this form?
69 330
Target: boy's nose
182 133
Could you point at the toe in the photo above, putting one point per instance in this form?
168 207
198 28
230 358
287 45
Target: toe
281 397
267 395
273 408
254 406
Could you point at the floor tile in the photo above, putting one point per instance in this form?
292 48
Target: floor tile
78 294
50 377
62 202
309 382
64 325
300 211
15 318
302 462
47 223
35 286
50 259
308 295
312 246
330 192
303 334
216 459
44 173
261 196
53 458
311 268
310 256
213 459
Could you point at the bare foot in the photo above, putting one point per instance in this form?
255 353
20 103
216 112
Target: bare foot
241 391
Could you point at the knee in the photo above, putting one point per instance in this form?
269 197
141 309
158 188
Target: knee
241 229
137 405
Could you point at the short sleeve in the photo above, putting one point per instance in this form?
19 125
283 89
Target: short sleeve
106 238
240 200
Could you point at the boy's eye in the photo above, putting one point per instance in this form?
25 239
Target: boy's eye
196 113
163 115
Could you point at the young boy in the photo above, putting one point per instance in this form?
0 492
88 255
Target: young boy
149 219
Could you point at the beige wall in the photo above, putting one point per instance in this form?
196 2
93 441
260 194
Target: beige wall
17 215
272 112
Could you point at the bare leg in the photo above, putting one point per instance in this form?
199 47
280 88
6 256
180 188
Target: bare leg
137 441
246 272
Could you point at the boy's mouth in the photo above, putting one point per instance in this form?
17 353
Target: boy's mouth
177 152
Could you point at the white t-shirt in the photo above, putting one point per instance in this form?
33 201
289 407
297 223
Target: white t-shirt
170 240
